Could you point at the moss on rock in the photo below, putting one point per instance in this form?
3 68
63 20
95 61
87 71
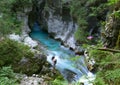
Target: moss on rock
12 52
31 66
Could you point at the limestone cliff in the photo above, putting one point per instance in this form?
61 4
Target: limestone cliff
54 17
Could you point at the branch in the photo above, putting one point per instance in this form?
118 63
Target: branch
110 50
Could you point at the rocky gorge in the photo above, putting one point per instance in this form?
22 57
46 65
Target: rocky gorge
36 70
58 22
38 60
83 36
55 18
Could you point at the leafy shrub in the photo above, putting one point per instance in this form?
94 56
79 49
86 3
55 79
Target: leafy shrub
79 12
118 42
21 5
8 15
9 25
82 11
7 76
112 2
80 36
117 14
113 76
8 19
11 52
108 66
58 82
99 81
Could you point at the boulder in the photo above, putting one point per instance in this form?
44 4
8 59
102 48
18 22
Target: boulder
32 81
15 37
30 66
28 41
79 51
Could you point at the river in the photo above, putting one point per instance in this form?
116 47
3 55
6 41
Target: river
72 67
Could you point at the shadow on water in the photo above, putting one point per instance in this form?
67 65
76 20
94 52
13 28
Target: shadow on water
71 70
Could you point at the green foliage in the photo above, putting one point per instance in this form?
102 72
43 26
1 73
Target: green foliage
7 76
75 6
95 11
107 63
91 1
80 36
9 24
8 15
21 5
113 76
117 14
108 66
108 77
11 6
99 81
58 82
7 72
11 52
101 55
5 5
112 2
118 42
62 82
79 12
82 10
8 20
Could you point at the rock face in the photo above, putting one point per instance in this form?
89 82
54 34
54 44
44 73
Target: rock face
24 39
28 41
54 17
30 66
32 81
112 31
62 30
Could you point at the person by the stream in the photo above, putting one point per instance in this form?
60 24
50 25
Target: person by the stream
54 60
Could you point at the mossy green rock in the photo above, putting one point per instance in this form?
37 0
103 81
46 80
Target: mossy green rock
12 52
31 66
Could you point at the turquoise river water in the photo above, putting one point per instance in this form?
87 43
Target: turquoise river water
72 69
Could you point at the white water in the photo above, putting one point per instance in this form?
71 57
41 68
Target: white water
71 70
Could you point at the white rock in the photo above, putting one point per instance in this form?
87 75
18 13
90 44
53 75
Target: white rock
33 75
62 30
91 61
87 80
15 37
28 41
71 42
24 35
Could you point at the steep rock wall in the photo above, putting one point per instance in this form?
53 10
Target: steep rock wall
54 17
